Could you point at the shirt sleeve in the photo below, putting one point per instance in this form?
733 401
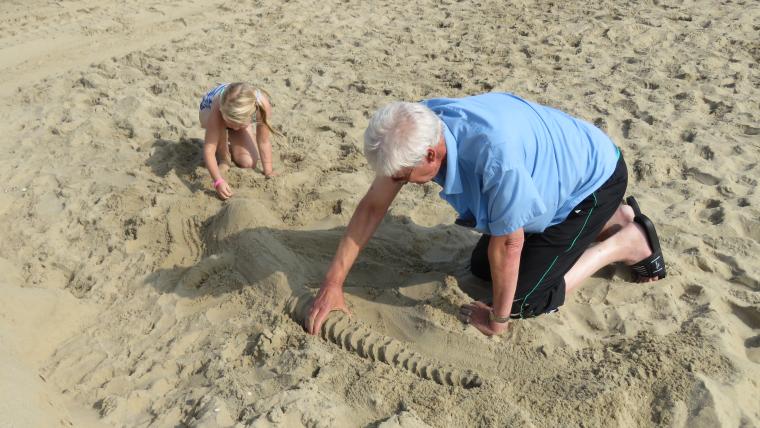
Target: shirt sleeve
512 199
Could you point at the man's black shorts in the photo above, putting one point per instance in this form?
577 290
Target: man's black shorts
546 257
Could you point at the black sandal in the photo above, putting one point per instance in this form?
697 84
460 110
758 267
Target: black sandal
654 265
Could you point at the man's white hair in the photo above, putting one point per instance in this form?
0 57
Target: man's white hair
398 136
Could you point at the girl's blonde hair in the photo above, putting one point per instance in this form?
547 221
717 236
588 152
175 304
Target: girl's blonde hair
240 102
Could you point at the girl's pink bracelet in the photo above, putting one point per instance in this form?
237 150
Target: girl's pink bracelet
218 182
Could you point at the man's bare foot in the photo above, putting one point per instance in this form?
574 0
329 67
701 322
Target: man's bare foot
626 213
621 218
638 245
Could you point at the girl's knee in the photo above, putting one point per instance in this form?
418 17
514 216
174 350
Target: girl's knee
244 162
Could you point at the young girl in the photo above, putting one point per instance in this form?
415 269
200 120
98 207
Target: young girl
227 111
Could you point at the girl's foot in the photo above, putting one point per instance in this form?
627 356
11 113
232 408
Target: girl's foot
224 166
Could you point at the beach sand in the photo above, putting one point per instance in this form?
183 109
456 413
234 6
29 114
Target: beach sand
132 296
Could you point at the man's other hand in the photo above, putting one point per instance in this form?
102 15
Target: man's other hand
477 314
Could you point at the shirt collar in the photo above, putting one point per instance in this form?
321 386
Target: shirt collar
452 183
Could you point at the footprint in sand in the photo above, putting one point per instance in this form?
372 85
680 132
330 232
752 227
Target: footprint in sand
751 226
700 176
753 349
750 316
713 213
695 295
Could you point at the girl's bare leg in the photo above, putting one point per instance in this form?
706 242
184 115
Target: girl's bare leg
244 152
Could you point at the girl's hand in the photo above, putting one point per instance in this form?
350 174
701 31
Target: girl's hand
272 174
223 190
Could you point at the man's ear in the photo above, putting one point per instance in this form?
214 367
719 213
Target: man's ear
430 154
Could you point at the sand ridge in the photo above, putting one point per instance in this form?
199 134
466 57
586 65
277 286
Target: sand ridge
135 298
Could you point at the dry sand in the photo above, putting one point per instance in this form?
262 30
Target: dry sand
131 296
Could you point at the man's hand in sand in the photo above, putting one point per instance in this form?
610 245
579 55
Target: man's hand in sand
477 315
224 190
329 298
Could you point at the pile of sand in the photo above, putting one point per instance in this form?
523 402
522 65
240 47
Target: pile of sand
133 297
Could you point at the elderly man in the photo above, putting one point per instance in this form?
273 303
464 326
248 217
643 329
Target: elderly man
539 184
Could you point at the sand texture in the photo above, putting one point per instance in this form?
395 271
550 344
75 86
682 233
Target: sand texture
133 297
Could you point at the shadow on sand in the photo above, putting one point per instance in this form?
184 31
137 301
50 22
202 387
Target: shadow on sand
183 157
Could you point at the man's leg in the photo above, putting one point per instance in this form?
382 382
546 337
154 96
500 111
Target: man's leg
480 267
628 245
549 257
620 219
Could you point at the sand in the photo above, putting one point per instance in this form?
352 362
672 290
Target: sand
131 296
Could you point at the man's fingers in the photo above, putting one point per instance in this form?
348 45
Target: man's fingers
316 318
469 308
307 323
321 308
320 318
310 319
480 304
465 313
465 318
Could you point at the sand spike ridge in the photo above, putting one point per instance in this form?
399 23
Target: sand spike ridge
353 336
357 338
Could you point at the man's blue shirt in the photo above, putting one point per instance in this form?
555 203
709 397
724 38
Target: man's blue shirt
511 163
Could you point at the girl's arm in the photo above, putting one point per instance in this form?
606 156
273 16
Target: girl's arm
262 137
214 131
210 143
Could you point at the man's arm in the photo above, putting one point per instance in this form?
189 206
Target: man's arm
367 217
504 257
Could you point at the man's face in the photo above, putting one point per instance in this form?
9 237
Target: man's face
421 173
